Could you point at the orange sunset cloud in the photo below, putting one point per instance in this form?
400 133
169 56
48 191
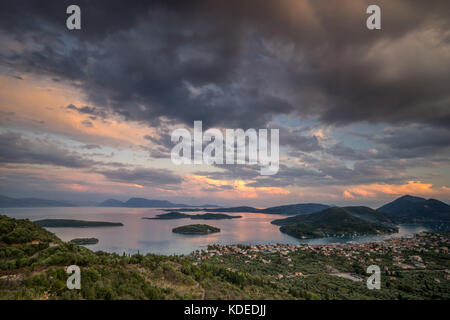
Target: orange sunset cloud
412 187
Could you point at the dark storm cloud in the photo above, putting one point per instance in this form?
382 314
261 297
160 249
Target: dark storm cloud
227 171
345 152
93 111
415 140
143 176
322 173
16 149
162 144
100 17
363 172
334 175
298 141
402 142
238 64
290 176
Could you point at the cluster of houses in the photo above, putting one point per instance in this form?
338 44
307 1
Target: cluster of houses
403 253
252 252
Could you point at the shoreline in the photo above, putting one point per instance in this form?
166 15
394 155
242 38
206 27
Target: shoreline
349 244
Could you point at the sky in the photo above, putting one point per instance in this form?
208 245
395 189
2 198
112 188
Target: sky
87 115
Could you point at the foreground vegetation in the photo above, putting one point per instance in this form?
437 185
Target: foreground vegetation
33 262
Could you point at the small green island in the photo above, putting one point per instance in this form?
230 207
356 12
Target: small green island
179 215
84 241
68 223
196 229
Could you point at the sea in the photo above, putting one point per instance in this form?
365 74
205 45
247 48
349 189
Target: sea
156 236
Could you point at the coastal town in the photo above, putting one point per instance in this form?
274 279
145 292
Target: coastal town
422 252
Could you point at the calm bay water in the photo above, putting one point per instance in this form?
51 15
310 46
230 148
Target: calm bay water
155 236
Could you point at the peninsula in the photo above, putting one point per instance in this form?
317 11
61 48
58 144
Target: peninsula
84 241
68 223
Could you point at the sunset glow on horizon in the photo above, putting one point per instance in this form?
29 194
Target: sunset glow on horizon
87 116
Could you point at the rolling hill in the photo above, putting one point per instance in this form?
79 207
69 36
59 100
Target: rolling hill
22 232
416 209
334 221
371 215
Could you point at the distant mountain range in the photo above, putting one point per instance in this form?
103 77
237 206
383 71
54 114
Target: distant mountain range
7 202
406 209
146 203
402 210
416 209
